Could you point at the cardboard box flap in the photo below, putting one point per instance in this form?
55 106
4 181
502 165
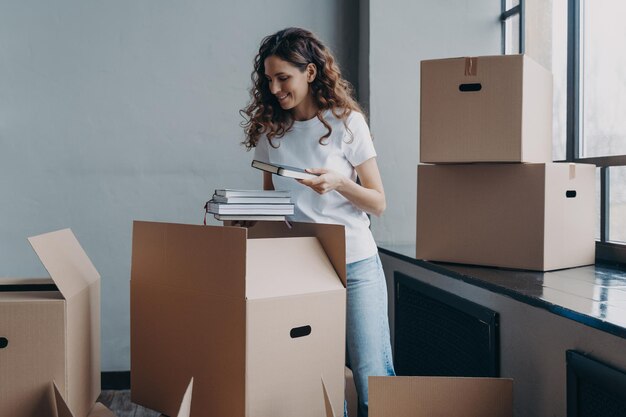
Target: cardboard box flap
331 236
79 282
60 408
207 259
65 260
100 410
440 396
327 405
288 266
185 405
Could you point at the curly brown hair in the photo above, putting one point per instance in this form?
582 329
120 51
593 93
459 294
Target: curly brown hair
299 47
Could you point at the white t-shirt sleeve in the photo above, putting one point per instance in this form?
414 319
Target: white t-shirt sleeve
358 148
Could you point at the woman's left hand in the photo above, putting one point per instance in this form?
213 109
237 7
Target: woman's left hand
327 180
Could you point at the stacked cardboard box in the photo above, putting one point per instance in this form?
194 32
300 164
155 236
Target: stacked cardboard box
494 196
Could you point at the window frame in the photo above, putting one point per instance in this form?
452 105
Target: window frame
605 250
507 14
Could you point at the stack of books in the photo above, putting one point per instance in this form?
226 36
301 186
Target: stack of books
228 204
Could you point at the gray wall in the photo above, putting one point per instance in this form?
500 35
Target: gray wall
118 110
114 111
402 33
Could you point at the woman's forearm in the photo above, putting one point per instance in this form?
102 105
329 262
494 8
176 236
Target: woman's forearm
369 200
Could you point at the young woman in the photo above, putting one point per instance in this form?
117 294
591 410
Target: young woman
302 114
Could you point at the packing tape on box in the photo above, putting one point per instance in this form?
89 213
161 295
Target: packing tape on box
572 171
471 66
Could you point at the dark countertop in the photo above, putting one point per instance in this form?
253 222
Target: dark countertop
593 295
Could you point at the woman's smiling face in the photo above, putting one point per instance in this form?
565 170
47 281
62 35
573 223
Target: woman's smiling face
290 86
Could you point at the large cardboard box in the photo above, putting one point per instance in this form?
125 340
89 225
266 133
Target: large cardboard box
423 396
256 316
527 216
485 109
51 335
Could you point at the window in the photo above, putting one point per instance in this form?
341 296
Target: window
581 41
558 52
596 121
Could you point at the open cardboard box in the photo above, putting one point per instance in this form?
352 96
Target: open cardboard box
50 331
420 396
49 334
256 315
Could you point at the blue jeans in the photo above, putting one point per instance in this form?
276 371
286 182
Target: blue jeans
367 326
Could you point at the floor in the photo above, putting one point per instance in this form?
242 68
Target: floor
119 403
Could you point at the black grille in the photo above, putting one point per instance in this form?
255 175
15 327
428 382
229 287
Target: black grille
440 334
594 389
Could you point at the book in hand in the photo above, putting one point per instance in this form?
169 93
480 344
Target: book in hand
228 192
283 170
251 200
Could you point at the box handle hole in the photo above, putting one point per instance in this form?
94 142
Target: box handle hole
300 332
570 193
3 342
470 87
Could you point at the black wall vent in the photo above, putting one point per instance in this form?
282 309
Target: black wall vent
440 334
594 389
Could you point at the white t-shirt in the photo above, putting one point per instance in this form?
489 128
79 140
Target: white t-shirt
341 152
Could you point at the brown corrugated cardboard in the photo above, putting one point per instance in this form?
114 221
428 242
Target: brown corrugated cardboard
416 396
327 234
227 305
60 408
350 395
51 335
421 396
507 215
508 120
